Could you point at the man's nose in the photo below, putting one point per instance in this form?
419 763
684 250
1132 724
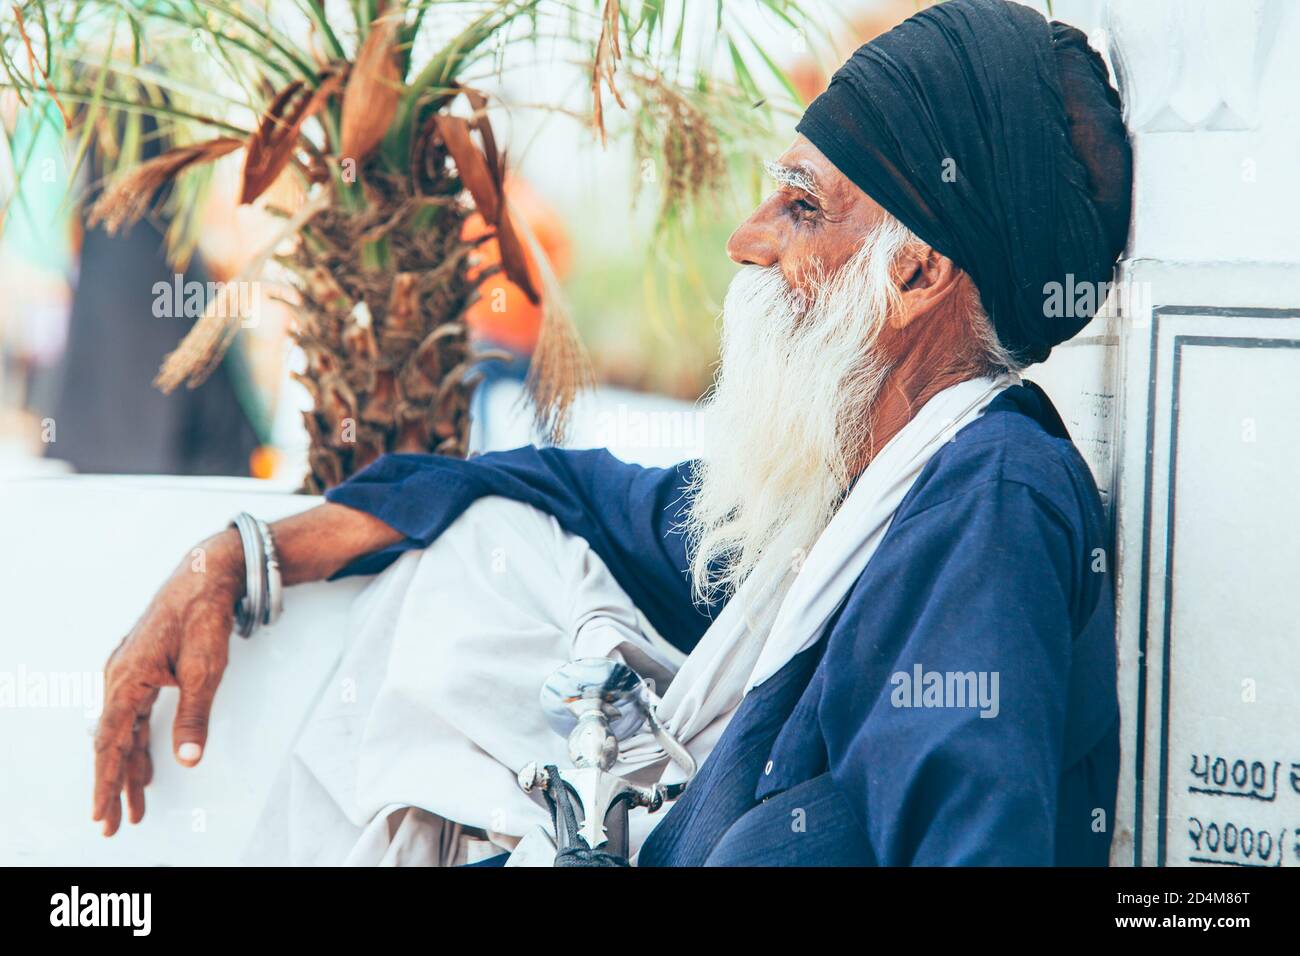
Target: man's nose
752 245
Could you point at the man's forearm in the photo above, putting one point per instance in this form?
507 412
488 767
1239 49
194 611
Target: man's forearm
311 546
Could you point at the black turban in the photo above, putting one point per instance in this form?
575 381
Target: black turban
997 138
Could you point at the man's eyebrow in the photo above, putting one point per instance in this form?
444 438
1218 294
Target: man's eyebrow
796 177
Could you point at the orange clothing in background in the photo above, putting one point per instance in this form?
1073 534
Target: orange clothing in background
503 315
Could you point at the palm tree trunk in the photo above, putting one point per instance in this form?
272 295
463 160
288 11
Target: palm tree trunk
384 290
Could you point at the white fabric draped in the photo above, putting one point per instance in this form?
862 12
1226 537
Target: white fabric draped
434 704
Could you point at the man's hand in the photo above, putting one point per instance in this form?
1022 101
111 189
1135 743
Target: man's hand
182 640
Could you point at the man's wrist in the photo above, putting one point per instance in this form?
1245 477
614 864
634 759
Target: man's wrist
221 559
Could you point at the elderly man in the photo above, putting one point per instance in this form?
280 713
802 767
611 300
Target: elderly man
888 569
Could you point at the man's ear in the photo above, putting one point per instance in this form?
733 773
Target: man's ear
927 282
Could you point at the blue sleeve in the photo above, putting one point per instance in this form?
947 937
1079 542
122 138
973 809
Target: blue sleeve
628 513
981 584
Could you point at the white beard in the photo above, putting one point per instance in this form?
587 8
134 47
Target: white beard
789 416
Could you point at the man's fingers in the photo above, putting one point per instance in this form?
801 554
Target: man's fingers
199 673
126 699
114 748
139 772
112 816
108 780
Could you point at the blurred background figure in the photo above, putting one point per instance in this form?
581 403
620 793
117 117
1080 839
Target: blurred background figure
83 337
110 417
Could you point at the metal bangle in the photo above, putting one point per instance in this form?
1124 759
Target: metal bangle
251 610
274 583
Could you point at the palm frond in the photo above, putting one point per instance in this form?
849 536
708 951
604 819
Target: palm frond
368 115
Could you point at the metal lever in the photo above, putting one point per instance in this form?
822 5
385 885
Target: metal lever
595 703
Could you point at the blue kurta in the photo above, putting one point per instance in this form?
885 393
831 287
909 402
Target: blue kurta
995 567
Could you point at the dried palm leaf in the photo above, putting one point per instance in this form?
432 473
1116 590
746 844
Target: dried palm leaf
273 143
486 188
495 160
373 90
471 165
608 54
127 200
560 366
513 260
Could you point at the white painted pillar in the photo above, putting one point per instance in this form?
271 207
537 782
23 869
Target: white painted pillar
1187 405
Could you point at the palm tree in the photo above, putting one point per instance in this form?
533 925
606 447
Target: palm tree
393 150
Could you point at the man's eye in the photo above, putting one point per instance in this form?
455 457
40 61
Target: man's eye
804 206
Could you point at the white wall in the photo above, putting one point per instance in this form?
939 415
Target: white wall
80 560
1207 434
